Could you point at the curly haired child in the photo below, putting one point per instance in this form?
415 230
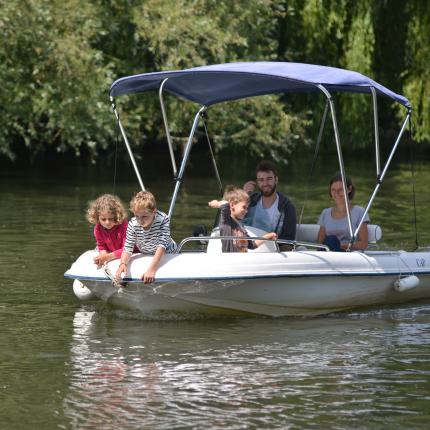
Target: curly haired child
109 217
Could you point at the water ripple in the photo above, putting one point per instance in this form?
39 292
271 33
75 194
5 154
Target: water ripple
249 373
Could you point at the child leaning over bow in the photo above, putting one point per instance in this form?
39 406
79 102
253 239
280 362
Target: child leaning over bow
149 231
109 216
233 209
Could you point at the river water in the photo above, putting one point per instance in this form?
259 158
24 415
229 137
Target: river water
68 365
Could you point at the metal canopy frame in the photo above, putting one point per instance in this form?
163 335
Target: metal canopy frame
329 100
379 176
166 127
127 144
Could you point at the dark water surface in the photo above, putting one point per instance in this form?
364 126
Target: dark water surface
69 365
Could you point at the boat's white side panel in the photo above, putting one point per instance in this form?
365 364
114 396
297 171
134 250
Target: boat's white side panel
194 265
289 283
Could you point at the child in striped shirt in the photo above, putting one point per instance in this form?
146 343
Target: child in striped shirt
149 231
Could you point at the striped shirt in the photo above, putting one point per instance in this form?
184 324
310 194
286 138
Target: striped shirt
147 241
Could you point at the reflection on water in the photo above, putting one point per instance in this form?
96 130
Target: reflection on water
339 371
65 365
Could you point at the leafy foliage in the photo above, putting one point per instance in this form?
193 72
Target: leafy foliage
54 82
58 59
417 72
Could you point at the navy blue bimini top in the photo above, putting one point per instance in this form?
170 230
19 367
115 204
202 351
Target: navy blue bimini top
208 85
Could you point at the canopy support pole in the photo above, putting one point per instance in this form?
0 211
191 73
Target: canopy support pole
185 160
382 176
376 125
212 156
340 158
130 153
317 146
166 127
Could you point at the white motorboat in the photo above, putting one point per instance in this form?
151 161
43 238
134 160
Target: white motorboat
266 281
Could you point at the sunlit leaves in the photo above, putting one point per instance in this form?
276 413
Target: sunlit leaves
56 80
59 58
417 74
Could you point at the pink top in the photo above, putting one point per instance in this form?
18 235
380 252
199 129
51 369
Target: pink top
111 240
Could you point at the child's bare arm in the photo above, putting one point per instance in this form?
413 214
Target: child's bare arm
216 204
268 236
149 275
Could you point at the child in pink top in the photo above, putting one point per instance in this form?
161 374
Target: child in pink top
109 216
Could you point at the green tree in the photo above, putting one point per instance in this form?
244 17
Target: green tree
417 72
182 34
58 59
53 82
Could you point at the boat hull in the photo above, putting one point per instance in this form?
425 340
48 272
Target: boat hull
271 284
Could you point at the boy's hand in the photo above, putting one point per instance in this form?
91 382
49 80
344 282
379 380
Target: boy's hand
148 276
121 269
249 187
271 236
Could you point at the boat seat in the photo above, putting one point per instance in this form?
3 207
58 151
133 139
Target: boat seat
309 233
304 233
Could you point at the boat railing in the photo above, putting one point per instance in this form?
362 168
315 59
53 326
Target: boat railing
293 243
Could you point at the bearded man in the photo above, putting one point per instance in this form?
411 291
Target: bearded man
270 210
